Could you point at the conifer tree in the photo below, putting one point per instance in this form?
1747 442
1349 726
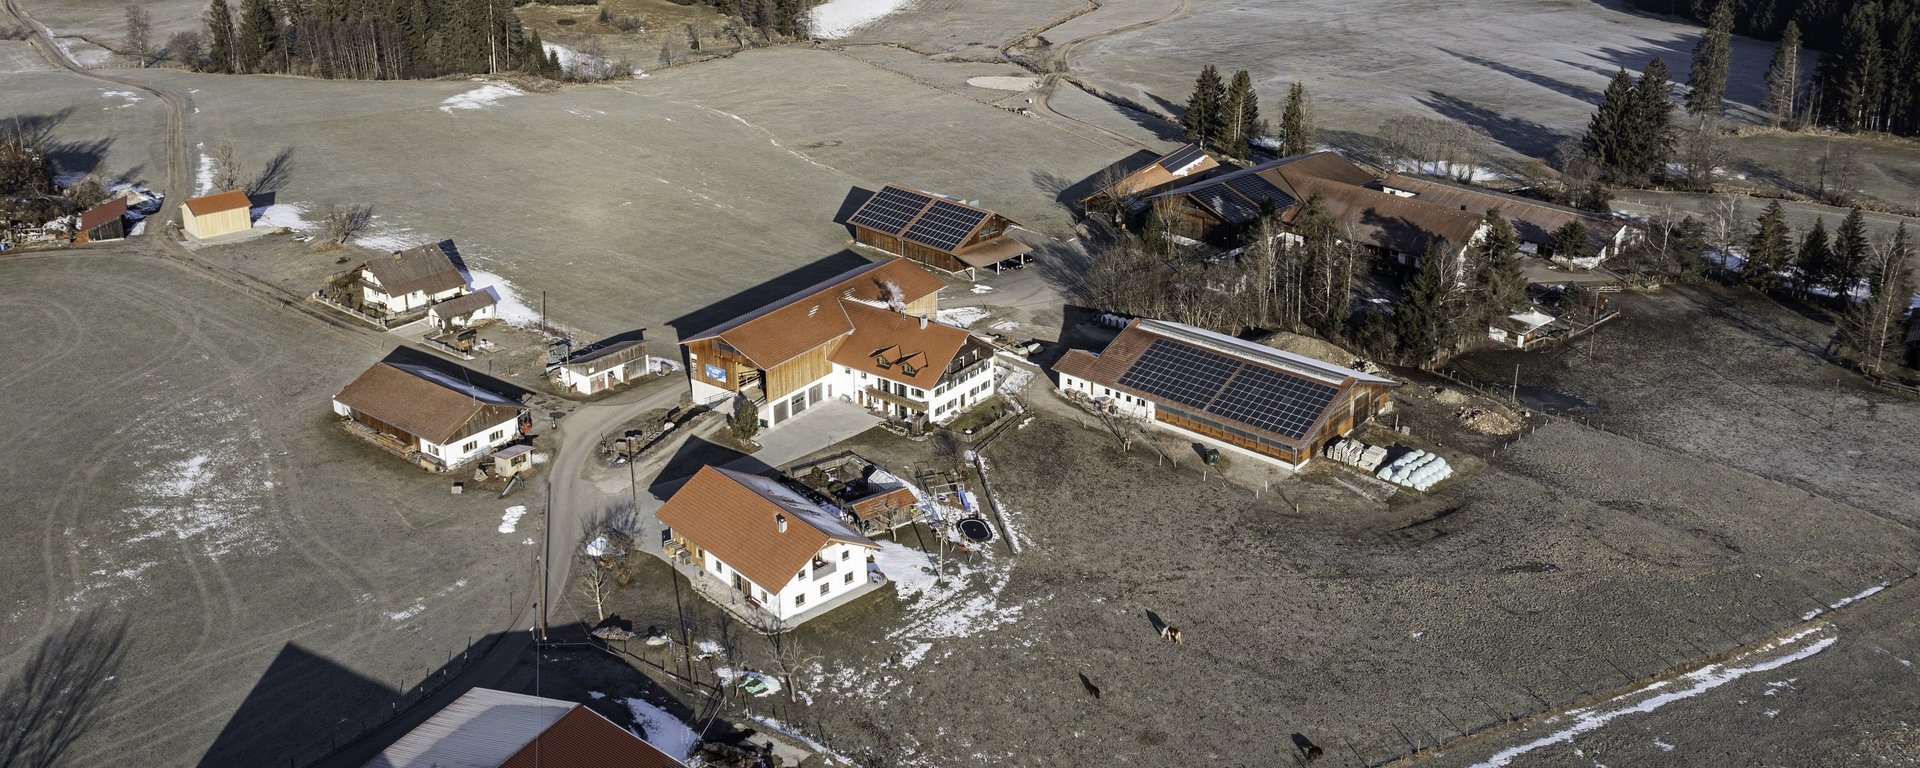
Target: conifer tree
1770 250
1497 276
1240 116
1427 321
1571 241
1815 259
259 38
1297 134
1850 78
220 53
1649 132
1849 252
1783 76
1708 80
1607 142
1204 120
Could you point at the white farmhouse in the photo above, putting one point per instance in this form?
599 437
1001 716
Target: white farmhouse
782 554
865 336
427 415
410 279
464 311
604 365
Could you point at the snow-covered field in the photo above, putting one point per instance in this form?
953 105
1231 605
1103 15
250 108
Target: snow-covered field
661 729
839 18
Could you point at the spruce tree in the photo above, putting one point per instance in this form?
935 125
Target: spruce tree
1241 116
1427 321
1769 250
1783 76
1650 124
1297 135
1571 241
1204 120
1815 258
1497 276
1608 140
220 53
1850 248
259 38
1708 80
1850 78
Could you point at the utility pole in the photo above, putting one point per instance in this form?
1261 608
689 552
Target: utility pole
1514 397
546 560
543 312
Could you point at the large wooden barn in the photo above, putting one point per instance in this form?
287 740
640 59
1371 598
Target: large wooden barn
945 234
1249 397
1125 195
1535 222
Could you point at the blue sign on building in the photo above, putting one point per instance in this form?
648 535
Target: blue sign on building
716 373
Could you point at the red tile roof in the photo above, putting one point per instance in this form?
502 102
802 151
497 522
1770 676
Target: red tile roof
803 321
103 213
584 738
902 342
736 516
224 201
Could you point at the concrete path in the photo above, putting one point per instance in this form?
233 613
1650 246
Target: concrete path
822 425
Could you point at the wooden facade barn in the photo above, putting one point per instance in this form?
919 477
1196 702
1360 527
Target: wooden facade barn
945 234
106 221
1124 196
215 215
1263 401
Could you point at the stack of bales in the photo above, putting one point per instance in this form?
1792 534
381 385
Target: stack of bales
1418 470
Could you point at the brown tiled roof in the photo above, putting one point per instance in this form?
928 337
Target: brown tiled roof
735 516
420 268
791 326
103 213
991 251
465 304
1533 220
426 403
1329 165
584 738
879 504
1380 219
225 201
902 342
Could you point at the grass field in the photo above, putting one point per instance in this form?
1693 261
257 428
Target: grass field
174 465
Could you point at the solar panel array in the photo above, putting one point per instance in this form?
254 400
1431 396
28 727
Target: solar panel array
890 210
1227 204
1229 388
1263 193
945 225
1180 158
1187 375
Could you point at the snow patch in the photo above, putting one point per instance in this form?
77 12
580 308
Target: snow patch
204 494
1789 649
487 95
288 215
963 317
839 18
511 309
511 518
664 731
1845 601
129 97
203 179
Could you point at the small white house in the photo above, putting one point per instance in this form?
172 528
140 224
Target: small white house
605 365
1519 330
439 420
780 553
410 279
464 311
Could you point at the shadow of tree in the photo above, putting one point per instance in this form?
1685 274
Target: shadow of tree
273 177
1515 133
60 693
1560 86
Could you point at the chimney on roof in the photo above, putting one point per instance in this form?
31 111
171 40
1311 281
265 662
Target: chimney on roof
923 322
780 521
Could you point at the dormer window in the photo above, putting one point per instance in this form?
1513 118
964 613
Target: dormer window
909 370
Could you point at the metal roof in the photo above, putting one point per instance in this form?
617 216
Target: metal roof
481 729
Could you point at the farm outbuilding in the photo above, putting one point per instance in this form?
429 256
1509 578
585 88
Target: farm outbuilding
430 416
1225 391
106 221
1123 197
485 728
940 232
605 365
215 215
464 311
1535 222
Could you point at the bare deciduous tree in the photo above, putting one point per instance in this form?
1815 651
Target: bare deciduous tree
139 41
1703 152
344 222
1725 221
226 169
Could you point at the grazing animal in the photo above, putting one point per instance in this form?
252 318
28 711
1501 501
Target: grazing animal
1087 683
1171 633
1309 751
1314 752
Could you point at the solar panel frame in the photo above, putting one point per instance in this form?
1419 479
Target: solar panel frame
890 210
945 225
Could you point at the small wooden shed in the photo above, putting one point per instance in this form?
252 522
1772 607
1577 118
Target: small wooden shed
215 215
512 460
106 221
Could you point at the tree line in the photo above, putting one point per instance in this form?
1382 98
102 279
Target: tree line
1869 79
1225 117
1872 280
368 39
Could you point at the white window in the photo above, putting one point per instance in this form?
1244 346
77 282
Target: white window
848 579
844 553
497 435
719 567
919 394
799 599
824 588
470 446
